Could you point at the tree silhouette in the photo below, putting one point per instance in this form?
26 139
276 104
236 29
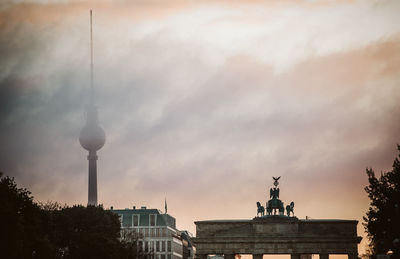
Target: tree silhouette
51 230
22 223
132 247
86 232
382 221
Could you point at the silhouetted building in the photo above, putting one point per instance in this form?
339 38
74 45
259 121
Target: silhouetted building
157 232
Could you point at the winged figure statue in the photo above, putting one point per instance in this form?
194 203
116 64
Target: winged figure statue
274 193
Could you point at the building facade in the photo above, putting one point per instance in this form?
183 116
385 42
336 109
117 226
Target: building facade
157 232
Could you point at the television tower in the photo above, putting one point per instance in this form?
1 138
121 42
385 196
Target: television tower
92 136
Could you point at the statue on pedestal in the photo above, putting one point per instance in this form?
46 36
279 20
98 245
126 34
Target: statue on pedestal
275 205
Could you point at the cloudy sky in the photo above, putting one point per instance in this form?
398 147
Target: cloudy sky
203 102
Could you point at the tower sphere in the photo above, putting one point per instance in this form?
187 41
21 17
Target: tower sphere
92 137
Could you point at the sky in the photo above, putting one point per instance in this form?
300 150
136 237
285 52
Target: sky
203 102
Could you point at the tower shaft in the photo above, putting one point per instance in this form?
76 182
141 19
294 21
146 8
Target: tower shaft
92 191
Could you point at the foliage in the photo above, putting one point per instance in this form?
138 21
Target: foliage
132 247
85 232
22 223
52 230
382 221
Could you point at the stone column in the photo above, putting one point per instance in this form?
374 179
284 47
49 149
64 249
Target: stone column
295 256
323 256
229 256
257 256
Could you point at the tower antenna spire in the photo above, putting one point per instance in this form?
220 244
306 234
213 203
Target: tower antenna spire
91 59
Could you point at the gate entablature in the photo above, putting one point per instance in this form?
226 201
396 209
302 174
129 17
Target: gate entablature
277 235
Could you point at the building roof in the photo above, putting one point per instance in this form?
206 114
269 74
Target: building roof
144 217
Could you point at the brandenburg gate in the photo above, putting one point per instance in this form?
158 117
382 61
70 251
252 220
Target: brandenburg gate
276 233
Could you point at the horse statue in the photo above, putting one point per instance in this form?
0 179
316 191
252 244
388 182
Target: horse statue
289 208
260 209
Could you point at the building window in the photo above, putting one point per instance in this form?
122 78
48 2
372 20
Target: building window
169 246
162 256
162 246
135 220
152 219
157 246
168 256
